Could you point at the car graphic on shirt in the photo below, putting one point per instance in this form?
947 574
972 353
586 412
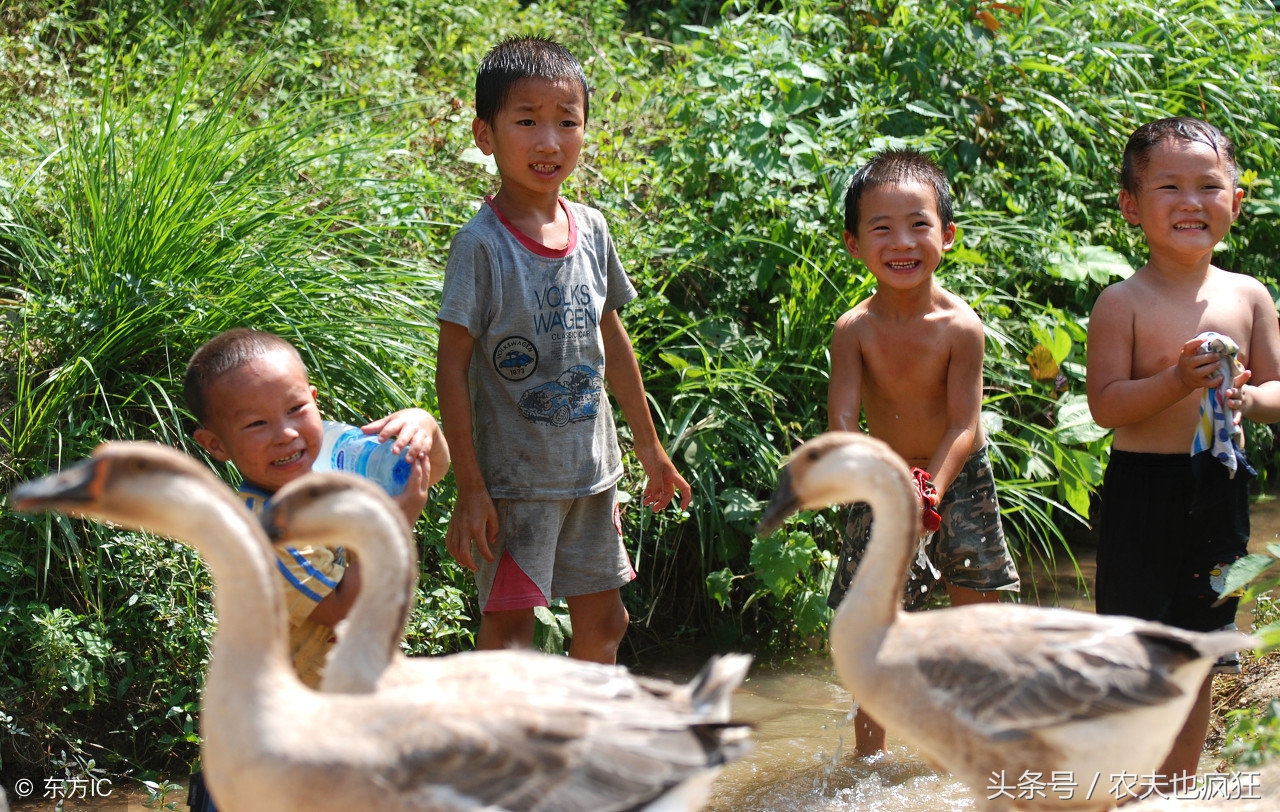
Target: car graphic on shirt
573 397
515 360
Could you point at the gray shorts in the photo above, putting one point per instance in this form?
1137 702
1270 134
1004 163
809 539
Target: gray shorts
969 549
553 549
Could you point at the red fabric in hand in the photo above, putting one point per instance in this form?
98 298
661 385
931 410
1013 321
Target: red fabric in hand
931 518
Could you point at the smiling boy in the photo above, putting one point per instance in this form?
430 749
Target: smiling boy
910 358
1146 376
529 332
256 409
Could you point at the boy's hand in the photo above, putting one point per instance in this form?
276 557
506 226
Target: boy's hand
1196 370
414 429
474 520
1237 397
664 480
417 433
416 490
930 519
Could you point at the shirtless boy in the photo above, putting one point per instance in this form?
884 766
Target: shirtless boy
1146 378
910 358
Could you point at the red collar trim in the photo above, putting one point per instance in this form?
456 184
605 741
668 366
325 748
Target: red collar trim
532 244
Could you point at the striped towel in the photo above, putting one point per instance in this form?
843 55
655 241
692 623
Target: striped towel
1216 430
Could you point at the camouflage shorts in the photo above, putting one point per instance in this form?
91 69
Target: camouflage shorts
969 549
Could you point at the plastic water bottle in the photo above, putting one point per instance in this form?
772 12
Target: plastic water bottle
347 448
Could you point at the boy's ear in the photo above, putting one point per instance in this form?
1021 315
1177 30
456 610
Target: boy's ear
1129 207
851 244
480 132
212 443
1236 202
948 236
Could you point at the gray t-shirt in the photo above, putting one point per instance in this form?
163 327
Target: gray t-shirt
543 425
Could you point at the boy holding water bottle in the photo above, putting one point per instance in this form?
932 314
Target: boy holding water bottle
250 393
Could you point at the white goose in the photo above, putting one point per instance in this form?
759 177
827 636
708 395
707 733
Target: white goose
328 509
583 739
995 692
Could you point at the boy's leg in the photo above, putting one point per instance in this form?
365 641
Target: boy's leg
590 568
599 623
512 628
519 577
1181 764
868 735
963 596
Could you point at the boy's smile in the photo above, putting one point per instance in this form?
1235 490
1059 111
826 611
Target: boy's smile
1185 201
535 138
263 418
900 236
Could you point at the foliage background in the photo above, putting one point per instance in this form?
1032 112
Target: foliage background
171 169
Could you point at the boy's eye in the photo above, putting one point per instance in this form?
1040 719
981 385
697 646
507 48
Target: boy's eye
256 424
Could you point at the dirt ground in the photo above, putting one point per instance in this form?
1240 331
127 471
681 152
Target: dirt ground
1256 685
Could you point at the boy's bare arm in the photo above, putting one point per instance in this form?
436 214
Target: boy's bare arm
1260 399
474 518
622 372
333 607
964 402
1115 397
844 388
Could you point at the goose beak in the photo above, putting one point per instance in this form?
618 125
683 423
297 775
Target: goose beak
77 486
274 522
782 504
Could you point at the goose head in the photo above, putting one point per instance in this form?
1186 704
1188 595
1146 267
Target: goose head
841 467
132 484
333 509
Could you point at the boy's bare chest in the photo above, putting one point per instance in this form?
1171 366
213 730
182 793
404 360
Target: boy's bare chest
915 358
1161 328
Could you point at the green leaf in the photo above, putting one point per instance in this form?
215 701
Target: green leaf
1245 570
1075 423
811 612
473 155
812 71
1076 493
739 505
781 558
1096 262
925 109
718 586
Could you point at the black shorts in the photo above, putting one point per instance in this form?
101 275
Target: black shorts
1158 560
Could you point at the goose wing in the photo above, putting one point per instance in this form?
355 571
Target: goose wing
558 756
523 731
1042 668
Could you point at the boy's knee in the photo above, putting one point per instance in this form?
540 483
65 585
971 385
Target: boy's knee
507 629
599 621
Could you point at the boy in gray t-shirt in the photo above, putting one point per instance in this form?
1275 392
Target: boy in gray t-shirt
529 335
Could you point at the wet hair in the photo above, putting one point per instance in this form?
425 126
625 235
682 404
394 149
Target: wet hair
889 168
221 354
517 58
1137 152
